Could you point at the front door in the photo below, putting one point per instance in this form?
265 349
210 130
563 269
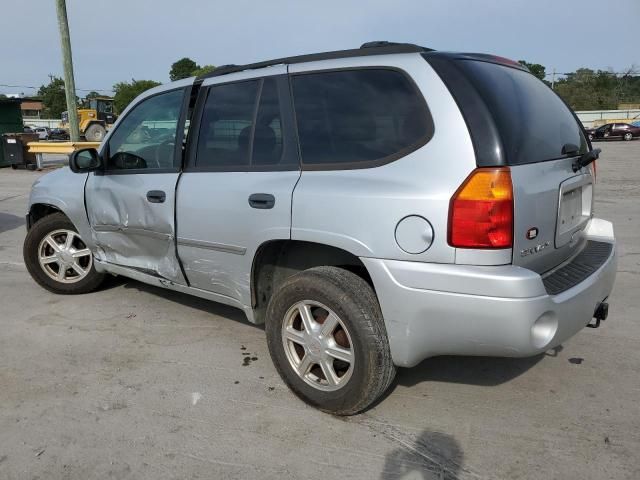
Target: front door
236 192
131 205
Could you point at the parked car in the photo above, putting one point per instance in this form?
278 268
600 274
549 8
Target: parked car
623 131
58 134
43 132
27 129
590 133
372 207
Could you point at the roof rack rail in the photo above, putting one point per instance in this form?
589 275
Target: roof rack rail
383 43
366 49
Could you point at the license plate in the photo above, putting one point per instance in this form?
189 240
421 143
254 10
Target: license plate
574 209
11 140
571 210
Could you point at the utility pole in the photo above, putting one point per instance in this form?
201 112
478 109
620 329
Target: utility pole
67 63
553 78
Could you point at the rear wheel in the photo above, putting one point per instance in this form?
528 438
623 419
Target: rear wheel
95 133
628 136
328 341
58 259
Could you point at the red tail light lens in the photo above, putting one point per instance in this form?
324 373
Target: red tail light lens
481 211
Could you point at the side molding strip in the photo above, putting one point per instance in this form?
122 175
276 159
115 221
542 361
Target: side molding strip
133 231
222 247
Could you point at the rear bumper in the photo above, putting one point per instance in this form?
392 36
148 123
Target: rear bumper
434 309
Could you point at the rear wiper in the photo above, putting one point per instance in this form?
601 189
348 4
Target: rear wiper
585 159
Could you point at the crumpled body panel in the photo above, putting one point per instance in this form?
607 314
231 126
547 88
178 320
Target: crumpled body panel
130 230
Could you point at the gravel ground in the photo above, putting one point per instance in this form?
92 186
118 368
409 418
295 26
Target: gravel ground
140 383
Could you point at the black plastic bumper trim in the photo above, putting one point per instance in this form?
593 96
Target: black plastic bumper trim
592 257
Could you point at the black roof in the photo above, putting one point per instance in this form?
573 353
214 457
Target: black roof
366 49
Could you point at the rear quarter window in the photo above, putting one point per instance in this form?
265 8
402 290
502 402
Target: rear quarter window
358 118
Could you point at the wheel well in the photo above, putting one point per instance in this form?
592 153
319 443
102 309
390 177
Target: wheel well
38 211
277 260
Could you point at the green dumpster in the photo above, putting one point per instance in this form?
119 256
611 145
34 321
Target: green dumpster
10 122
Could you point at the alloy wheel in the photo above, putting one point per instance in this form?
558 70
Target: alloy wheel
64 257
318 345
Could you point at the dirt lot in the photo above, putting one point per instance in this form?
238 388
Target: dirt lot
136 382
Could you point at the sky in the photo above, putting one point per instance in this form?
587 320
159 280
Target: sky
117 40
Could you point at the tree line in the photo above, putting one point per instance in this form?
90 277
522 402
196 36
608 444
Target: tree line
587 89
584 89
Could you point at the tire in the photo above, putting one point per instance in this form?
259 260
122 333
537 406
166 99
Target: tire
58 228
628 136
590 137
346 300
95 133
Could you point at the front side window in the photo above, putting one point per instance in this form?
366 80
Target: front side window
358 117
146 137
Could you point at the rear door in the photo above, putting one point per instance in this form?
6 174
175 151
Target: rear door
539 138
131 205
236 191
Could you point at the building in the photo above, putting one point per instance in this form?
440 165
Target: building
31 107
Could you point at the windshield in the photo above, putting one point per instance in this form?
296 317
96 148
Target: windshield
534 123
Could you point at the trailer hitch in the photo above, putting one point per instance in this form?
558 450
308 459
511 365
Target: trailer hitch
600 314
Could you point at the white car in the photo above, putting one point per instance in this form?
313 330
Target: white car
43 132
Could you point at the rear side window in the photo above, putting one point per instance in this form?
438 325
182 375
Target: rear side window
241 127
358 118
534 123
227 123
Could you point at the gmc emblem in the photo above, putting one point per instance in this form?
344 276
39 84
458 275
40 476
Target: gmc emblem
532 233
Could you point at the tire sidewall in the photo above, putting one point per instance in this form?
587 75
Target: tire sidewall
351 315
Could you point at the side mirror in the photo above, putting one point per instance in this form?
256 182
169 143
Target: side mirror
85 160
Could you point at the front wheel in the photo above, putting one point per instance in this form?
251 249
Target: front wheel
95 133
628 136
58 259
328 341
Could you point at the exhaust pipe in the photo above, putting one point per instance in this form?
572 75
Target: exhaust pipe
600 314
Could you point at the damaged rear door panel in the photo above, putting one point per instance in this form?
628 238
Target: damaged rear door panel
131 205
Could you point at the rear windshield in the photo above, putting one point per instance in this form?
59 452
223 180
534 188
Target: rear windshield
534 123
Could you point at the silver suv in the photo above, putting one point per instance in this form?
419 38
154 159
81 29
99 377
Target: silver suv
372 207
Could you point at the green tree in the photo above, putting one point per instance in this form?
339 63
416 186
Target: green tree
125 92
203 70
182 69
535 68
53 98
586 89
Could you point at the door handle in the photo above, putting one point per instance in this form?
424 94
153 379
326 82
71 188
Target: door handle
156 196
262 200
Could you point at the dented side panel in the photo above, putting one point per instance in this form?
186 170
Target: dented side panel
128 229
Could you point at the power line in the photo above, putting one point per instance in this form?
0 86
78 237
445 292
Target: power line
631 74
81 89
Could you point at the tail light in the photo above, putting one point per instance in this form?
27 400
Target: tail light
481 211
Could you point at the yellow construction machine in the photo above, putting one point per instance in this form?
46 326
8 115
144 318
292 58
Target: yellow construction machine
95 120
